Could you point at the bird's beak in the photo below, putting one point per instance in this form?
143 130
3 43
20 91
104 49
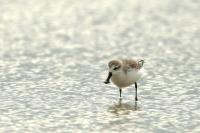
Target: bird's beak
108 78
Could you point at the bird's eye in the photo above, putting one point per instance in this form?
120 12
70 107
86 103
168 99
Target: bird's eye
116 68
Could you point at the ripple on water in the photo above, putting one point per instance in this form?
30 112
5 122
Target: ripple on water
53 62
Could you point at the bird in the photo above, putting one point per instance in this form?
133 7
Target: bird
124 73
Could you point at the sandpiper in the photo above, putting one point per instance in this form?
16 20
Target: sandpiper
124 72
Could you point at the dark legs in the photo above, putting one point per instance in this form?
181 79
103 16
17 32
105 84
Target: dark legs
120 92
136 99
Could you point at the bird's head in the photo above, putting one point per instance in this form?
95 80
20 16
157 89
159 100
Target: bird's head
114 68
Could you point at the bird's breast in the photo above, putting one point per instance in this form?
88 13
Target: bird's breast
125 79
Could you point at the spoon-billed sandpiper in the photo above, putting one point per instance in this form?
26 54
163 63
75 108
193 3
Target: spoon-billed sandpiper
124 72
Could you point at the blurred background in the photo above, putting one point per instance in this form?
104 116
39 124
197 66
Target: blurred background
54 55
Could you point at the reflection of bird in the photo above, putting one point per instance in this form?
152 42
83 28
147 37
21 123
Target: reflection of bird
124 72
123 108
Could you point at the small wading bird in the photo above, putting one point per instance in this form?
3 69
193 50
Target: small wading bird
124 72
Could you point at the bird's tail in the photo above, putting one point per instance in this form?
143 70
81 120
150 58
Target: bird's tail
140 64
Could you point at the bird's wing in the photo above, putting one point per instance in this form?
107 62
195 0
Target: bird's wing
128 64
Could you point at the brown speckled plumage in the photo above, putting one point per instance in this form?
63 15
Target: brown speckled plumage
126 64
129 63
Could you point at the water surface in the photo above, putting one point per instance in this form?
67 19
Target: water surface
53 61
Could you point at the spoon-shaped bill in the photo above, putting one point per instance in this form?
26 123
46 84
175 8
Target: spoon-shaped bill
107 81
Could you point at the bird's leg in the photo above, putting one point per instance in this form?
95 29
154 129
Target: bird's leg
120 102
136 99
120 93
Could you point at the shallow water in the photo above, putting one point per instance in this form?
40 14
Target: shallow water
53 61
